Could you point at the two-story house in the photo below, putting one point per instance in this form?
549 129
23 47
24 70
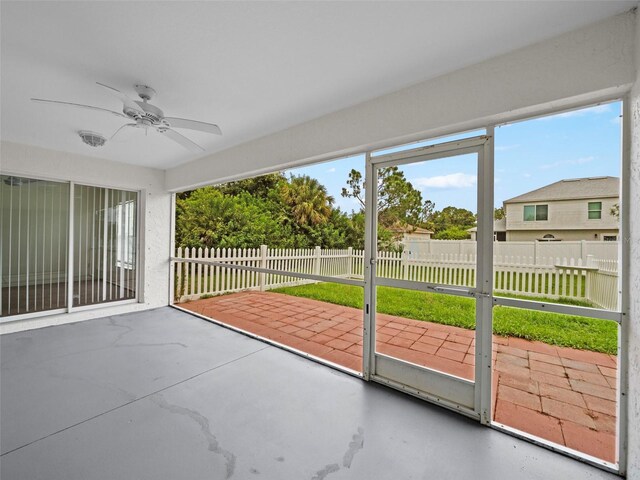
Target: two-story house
572 209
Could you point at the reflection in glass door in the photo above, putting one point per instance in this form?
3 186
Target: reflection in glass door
429 296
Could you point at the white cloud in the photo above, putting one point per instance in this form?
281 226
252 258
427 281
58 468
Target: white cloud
454 180
526 175
331 170
617 120
576 161
504 148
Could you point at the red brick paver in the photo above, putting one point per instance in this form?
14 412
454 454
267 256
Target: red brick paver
561 394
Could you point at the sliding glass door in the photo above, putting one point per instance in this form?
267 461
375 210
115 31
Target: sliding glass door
65 245
104 239
34 244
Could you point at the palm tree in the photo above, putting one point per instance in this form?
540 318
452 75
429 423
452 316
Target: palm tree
308 200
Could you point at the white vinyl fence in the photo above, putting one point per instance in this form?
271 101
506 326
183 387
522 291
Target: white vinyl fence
592 280
538 251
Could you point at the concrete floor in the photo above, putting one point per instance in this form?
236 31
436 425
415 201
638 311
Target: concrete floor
164 395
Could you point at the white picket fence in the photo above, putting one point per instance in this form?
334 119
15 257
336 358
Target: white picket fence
603 284
595 281
526 249
194 280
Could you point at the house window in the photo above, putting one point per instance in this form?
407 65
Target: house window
536 213
595 210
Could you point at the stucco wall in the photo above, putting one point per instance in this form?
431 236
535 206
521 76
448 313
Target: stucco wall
633 343
155 220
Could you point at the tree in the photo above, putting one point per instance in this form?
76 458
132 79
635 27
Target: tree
307 200
615 211
452 233
208 218
449 217
339 231
399 202
498 213
262 186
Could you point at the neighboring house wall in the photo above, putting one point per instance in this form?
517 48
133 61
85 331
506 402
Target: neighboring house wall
564 216
410 237
155 218
564 235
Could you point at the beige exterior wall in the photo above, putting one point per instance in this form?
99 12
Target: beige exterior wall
565 235
563 215
408 237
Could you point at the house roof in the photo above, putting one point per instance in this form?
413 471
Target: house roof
572 189
499 225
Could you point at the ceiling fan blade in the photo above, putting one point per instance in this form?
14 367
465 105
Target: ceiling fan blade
193 125
122 128
89 107
182 140
128 103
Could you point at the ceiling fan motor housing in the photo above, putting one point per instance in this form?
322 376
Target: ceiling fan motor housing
151 113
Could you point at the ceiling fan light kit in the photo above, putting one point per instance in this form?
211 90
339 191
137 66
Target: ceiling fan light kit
145 115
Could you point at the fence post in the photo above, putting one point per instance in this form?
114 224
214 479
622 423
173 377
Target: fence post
350 261
316 261
403 265
535 252
263 264
178 279
587 282
185 283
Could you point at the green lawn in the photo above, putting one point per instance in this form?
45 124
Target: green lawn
553 328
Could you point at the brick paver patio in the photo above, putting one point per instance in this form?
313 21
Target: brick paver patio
564 395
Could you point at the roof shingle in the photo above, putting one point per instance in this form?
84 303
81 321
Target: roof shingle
572 189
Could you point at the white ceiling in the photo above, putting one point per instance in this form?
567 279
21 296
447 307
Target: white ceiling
253 68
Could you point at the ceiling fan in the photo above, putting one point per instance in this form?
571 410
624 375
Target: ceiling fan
145 116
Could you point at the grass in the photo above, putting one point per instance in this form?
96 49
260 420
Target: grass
563 300
552 328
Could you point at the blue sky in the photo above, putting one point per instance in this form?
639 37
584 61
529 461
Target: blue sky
528 155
